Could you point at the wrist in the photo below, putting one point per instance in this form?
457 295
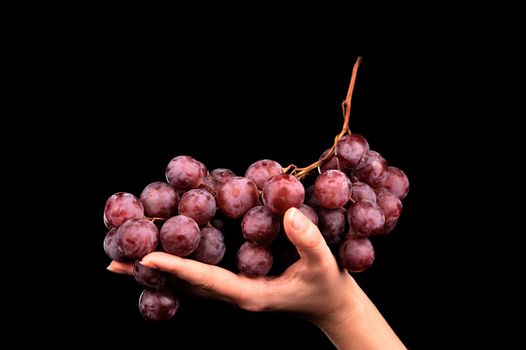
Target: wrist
349 307
357 324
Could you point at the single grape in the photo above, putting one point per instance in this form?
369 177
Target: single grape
366 218
148 277
211 248
254 260
391 206
389 202
237 196
198 204
396 181
210 184
282 192
216 179
332 224
222 175
261 171
351 232
333 189
260 226
374 169
158 305
332 163
310 198
357 254
159 200
112 248
351 150
180 235
204 169
185 173
137 237
309 213
388 227
361 190
120 207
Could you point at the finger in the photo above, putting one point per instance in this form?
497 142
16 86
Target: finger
208 277
305 236
185 287
127 268
118 267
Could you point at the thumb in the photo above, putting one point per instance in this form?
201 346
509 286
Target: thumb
305 236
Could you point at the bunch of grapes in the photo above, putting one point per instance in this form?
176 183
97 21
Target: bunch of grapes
355 196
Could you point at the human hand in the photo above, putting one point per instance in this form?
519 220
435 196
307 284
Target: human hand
314 286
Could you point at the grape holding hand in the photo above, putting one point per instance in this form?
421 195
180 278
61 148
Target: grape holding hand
356 196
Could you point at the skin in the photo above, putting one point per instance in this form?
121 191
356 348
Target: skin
314 286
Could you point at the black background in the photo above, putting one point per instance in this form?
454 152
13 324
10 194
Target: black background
136 99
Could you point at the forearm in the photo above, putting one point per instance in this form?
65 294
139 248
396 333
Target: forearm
358 325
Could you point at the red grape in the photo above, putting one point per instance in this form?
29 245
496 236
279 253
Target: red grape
148 277
237 196
388 227
120 207
366 218
310 198
351 150
185 173
159 200
332 223
158 305
309 213
361 191
111 246
331 163
254 260
260 226
198 204
180 235
137 237
261 171
391 206
211 247
216 179
210 184
332 189
282 192
222 175
356 254
396 181
373 171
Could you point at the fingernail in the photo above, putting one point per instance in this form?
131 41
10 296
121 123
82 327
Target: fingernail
297 220
148 265
110 268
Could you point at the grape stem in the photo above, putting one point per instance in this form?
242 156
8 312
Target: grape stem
300 173
154 219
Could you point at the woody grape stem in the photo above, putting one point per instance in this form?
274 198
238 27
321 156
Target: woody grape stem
300 173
